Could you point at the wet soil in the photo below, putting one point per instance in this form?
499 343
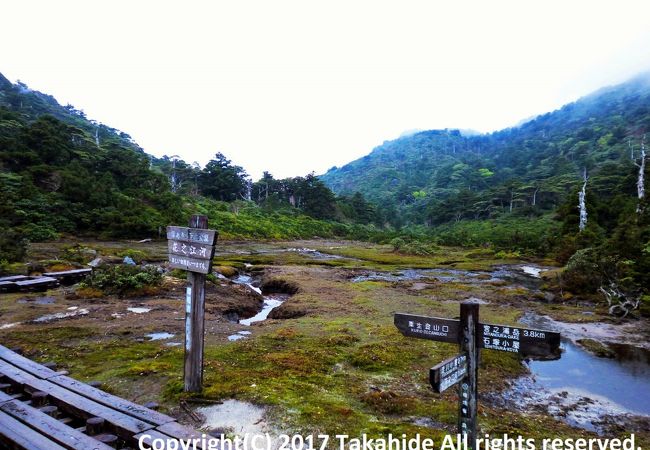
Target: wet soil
318 356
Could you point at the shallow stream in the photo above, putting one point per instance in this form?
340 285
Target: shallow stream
270 303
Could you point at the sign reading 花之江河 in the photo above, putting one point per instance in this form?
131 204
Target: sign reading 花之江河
190 249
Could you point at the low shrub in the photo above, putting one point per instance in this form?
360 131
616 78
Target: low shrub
124 279
414 246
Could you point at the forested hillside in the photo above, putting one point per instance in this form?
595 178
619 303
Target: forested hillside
439 176
62 173
516 190
520 187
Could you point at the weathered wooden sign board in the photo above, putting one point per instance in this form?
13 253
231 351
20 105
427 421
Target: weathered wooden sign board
525 341
471 336
448 373
192 248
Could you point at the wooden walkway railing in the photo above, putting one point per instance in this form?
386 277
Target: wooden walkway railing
44 409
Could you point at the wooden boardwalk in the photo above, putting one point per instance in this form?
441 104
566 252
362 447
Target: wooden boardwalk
43 282
44 409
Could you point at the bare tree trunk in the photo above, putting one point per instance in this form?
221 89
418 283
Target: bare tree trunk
640 183
582 203
512 197
173 180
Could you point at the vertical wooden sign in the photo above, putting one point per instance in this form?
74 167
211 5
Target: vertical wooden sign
471 336
194 321
192 249
468 387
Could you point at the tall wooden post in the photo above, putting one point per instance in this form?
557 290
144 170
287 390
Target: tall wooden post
468 387
194 321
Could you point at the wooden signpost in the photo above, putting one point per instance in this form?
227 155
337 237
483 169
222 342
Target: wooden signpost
192 249
472 336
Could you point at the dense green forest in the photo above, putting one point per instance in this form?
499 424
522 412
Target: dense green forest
516 190
62 173
520 187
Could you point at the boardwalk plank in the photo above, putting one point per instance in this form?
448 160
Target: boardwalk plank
52 428
4 398
66 273
26 364
15 435
121 424
112 401
25 427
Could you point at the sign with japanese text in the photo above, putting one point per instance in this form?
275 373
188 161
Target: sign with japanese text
448 373
492 337
191 249
198 235
518 340
433 328
471 335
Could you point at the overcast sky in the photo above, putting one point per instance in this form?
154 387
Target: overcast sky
298 86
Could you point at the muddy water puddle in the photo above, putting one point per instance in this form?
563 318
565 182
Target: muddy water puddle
38 300
238 418
159 336
71 312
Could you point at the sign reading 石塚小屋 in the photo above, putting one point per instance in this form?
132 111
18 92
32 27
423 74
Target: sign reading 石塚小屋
192 248
471 336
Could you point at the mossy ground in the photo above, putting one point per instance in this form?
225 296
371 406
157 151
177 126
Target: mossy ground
340 368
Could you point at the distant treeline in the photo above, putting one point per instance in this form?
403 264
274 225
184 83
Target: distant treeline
62 173
515 190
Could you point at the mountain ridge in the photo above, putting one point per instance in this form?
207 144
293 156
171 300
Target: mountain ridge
420 171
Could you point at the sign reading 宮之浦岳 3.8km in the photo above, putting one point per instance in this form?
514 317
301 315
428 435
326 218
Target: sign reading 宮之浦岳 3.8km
518 340
191 248
493 337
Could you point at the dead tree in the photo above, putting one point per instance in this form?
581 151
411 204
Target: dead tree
582 204
620 303
640 182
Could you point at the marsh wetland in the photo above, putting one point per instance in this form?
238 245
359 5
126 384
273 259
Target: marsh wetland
301 335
